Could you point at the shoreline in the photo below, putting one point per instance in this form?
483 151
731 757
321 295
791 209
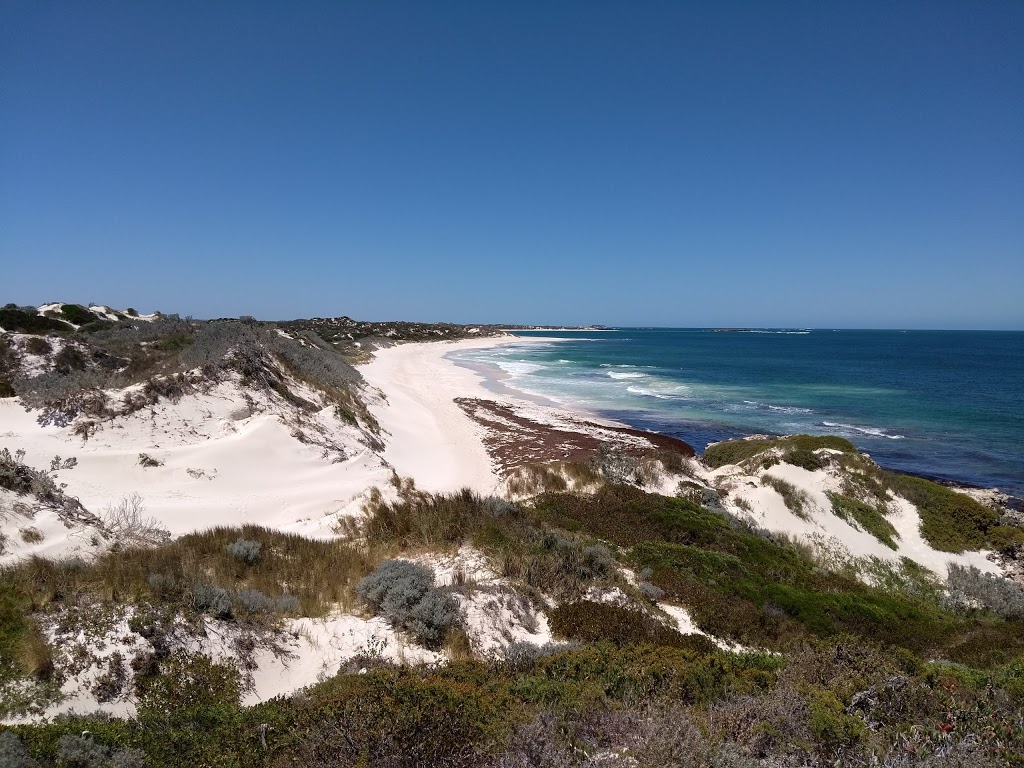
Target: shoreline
430 438
478 381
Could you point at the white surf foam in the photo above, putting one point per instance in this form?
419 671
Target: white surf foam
870 431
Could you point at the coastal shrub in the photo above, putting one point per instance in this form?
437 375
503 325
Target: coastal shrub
796 500
321 575
799 448
13 753
38 345
245 551
288 604
805 458
521 655
864 516
145 460
77 314
127 523
164 586
17 320
401 718
1000 595
588 621
81 751
950 521
403 593
1007 539
211 599
395 586
626 516
31 535
832 727
251 602
433 617
652 592
70 358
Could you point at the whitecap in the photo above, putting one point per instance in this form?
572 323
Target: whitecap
870 431
626 375
518 367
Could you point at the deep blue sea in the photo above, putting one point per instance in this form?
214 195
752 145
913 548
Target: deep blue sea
945 404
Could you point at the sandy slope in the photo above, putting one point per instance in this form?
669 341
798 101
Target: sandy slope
431 439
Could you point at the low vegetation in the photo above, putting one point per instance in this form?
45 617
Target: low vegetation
795 446
404 593
796 500
950 521
864 516
842 703
204 572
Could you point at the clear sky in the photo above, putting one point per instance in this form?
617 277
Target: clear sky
827 164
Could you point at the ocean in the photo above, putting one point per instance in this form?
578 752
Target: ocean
943 404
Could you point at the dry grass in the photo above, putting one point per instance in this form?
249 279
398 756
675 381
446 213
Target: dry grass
321 574
35 656
534 479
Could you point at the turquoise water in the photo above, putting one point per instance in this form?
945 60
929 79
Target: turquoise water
945 404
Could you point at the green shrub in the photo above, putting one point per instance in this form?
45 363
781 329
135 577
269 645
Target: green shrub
77 314
1008 539
950 521
831 726
587 621
799 448
394 718
865 516
38 345
22 321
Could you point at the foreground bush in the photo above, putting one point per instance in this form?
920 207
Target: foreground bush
403 592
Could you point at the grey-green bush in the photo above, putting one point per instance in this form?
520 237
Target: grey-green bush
403 593
408 581
432 617
13 753
252 601
211 599
999 595
245 551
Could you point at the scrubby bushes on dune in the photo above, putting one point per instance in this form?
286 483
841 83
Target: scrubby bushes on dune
748 588
799 448
191 571
588 621
865 516
999 595
404 593
845 702
158 354
796 500
950 521
549 561
18 320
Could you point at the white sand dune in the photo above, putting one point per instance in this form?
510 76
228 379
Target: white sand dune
231 457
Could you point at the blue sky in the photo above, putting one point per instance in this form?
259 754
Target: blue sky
847 164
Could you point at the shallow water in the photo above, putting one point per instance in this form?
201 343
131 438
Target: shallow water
945 404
